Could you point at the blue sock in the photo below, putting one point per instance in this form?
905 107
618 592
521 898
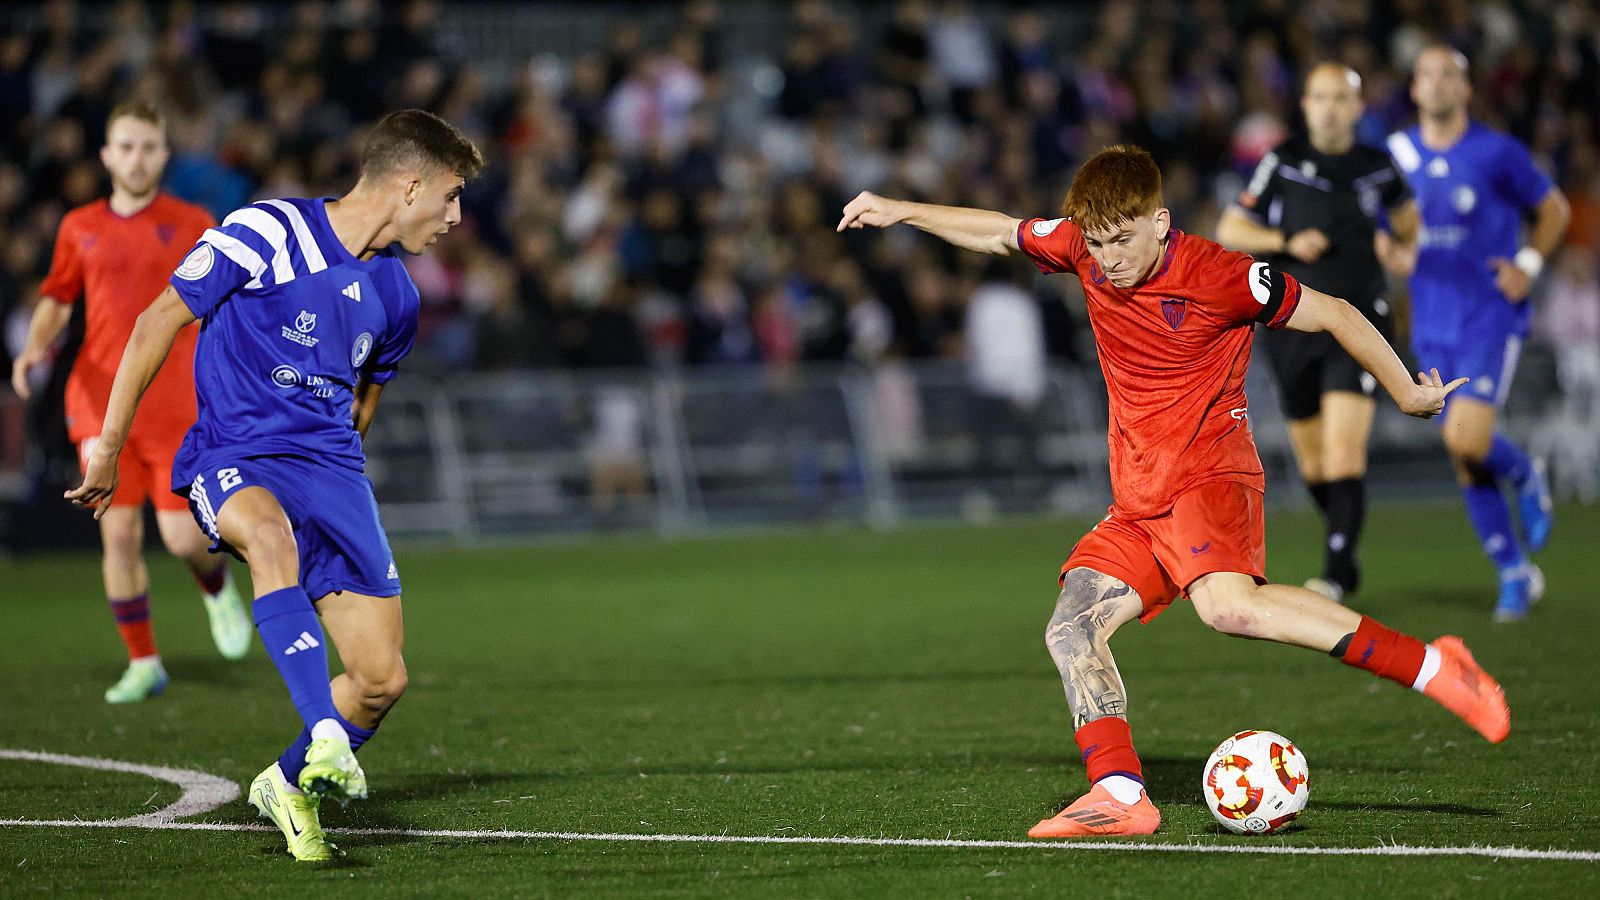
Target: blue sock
293 637
1491 518
1507 462
293 759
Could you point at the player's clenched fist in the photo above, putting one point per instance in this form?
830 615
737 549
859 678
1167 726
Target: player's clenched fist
1427 400
1512 281
868 209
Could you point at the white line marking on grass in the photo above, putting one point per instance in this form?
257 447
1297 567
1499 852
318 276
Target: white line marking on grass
203 793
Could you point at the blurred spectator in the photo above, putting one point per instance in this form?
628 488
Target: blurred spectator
699 167
1005 352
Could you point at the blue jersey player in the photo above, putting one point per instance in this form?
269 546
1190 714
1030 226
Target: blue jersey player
306 313
1469 309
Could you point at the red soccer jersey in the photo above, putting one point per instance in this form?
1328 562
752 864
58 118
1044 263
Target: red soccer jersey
1174 351
118 264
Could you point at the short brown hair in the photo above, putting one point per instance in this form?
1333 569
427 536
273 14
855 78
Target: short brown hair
1116 185
140 108
418 138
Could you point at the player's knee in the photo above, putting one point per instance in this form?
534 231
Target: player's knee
191 549
1466 447
1226 611
380 687
122 536
270 544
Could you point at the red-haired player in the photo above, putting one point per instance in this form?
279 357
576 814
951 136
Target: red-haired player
117 254
1173 316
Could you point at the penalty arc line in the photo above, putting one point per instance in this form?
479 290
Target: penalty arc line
203 792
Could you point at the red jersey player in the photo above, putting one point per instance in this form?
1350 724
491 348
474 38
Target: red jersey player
1173 316
117 254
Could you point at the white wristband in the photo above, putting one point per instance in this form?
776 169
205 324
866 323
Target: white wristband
1530 261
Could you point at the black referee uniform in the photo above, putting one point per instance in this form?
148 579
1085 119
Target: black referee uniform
1296 187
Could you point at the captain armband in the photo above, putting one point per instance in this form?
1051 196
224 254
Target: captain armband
1270 289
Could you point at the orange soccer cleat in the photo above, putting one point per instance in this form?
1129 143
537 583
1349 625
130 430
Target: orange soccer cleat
1464 688
1097 813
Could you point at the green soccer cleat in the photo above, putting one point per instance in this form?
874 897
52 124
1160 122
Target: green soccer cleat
144 678
231 628
332 771
294 813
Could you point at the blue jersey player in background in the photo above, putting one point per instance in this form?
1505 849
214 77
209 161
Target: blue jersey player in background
1469 309
306 312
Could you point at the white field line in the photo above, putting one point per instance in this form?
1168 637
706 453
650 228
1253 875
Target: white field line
204 793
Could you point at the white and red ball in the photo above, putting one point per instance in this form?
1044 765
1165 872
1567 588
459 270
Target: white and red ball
1256 782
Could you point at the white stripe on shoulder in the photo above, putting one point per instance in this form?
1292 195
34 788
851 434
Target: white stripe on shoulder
302 234
267 225
238 251
1404 152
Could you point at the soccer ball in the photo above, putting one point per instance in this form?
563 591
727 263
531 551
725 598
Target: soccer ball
1256 782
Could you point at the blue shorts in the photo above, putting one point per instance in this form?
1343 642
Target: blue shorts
332 510
1490 362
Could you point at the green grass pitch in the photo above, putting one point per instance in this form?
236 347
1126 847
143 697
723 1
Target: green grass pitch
815 684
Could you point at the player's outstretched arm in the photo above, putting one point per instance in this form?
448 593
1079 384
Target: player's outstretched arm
1423 398
982 230
148 346
49 320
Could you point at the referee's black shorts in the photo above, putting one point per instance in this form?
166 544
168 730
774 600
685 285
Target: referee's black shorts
1308 365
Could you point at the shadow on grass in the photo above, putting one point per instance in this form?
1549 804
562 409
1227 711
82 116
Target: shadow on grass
836 679
214 671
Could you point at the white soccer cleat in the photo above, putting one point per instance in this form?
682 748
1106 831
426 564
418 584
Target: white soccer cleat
1326 588
231 628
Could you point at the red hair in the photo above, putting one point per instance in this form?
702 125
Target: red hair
1116 185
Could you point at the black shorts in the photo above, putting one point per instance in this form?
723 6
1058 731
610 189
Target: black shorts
1306 366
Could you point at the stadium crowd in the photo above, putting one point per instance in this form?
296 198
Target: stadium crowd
657 200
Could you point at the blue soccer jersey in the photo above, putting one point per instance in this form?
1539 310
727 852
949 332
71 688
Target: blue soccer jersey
290 321
1472 196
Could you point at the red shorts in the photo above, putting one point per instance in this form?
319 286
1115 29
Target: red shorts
1212 527
144 471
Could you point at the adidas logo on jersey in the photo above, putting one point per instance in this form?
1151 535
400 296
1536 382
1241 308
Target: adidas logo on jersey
393 572
353 291
304 642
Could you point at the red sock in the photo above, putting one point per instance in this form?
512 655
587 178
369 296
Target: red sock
133 621
1385 652
212 581
1107 746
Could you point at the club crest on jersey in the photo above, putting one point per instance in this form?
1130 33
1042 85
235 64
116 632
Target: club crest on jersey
286 376
1464 198
199 261
1174 309
166 231
300 333
361 350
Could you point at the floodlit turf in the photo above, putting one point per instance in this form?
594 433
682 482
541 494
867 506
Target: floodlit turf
810 684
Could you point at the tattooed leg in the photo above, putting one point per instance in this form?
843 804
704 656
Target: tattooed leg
1091 607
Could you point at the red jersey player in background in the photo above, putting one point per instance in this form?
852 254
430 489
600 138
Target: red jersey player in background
1173 316
117 254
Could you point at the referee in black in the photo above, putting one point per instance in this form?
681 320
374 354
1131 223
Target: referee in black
1312 209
